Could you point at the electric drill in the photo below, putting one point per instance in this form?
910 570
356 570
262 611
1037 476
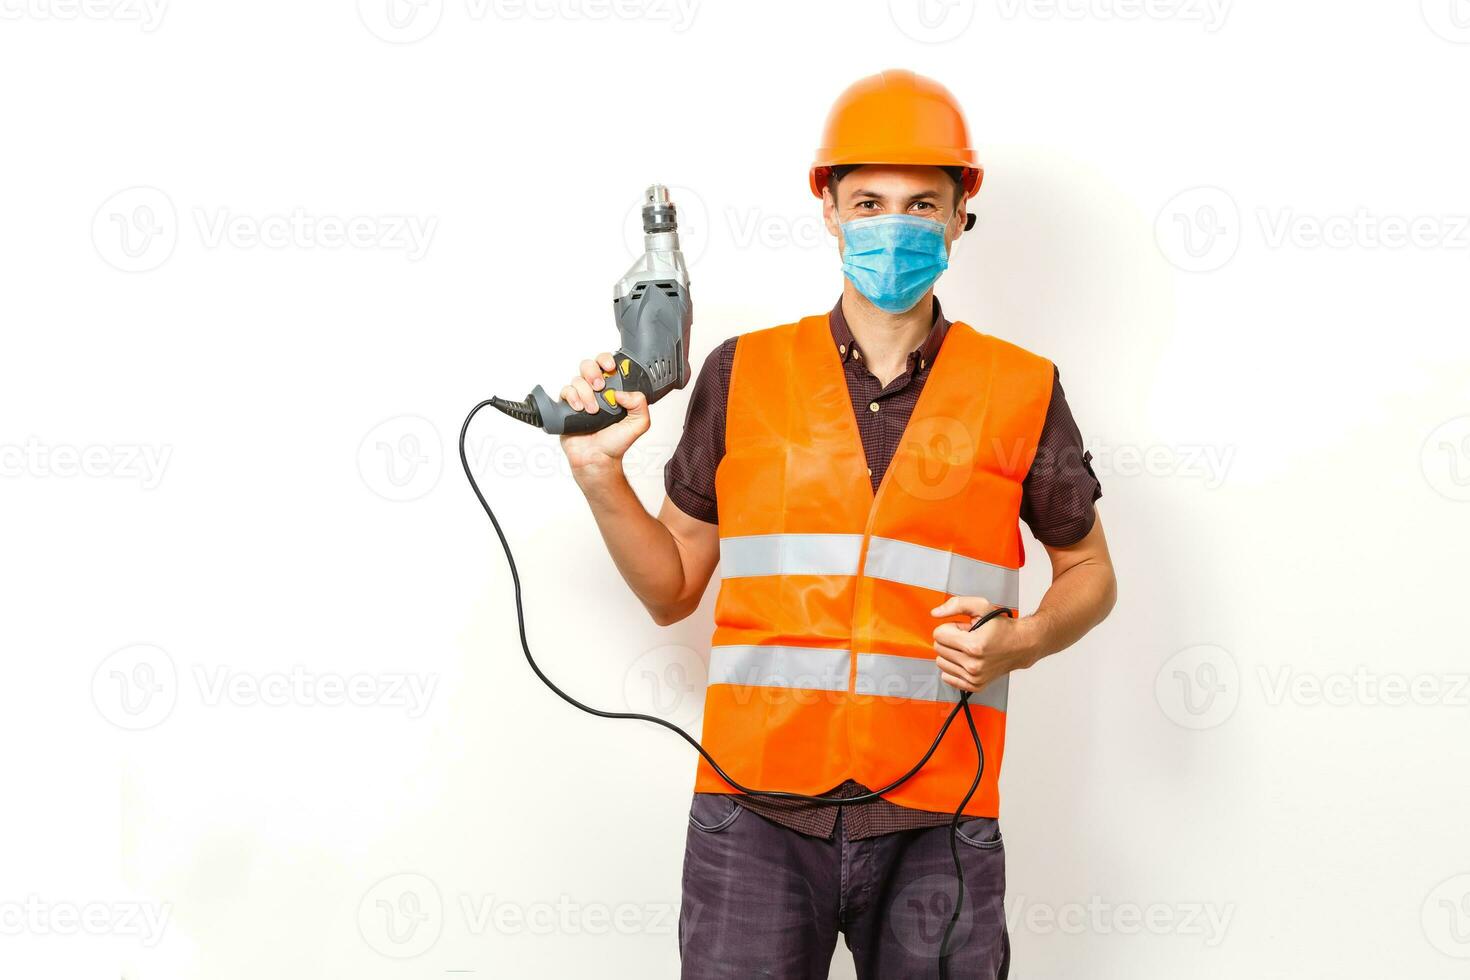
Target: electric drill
653 311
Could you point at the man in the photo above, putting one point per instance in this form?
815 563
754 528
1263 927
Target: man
860 477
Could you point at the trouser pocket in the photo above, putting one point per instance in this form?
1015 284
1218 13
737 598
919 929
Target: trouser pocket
713 812
758 899
981 832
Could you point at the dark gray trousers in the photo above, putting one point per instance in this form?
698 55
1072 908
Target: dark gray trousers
760 900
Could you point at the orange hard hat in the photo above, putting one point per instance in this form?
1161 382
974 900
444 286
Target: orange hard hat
896 116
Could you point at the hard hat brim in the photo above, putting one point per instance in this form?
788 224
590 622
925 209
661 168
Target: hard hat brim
974 174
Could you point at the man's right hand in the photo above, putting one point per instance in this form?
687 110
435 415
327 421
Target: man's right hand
667 561
592 453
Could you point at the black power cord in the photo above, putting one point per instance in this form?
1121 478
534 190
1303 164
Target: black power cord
963 703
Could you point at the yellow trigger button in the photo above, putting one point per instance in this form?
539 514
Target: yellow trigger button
609 397
624 367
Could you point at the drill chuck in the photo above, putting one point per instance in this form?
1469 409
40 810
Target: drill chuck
659 213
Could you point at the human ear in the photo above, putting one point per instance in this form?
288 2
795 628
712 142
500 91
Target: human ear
829 212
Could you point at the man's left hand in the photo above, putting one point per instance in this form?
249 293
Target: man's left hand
969 661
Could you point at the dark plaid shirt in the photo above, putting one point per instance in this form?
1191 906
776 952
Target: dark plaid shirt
1056 503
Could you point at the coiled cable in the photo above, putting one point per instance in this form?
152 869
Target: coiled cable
962 704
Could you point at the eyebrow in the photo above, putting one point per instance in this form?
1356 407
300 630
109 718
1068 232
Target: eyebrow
921 196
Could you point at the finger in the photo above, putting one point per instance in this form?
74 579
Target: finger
968 605
569 395
961 636
956 639
584 390
606 361
950 660
955 677
972 678
961 662
957 685
592 374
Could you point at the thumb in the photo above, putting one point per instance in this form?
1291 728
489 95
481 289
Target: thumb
967 605
636 402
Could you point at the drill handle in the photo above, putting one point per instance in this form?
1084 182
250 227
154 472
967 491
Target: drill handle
559 418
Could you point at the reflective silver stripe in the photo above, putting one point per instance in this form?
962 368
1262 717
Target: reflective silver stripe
818 669
888 675
942 571
790 554
806 668
750 555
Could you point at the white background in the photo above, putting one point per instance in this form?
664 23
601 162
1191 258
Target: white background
230 487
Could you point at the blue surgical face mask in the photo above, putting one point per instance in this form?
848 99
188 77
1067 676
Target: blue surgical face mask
893 259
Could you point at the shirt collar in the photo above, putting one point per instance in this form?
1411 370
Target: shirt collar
924 354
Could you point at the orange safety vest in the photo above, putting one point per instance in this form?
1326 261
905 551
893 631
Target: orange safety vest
822 664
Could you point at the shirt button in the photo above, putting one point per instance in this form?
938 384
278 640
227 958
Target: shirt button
870 471
872 406
842 348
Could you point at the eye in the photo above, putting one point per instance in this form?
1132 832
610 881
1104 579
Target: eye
924 205
864 205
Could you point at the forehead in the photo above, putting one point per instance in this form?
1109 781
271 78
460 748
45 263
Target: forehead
895 180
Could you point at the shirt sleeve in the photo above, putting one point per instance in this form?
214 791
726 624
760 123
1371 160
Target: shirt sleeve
689 477
1058 493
